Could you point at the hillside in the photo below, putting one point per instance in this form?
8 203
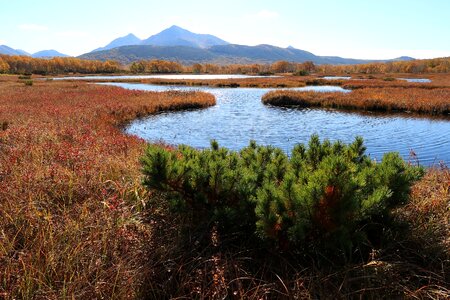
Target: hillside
48 54
128 54
10 51
220 54
172 36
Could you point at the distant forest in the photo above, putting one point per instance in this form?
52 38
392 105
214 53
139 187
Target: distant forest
59 65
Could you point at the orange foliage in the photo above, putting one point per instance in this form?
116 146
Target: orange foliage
156 66
430 101
435 65
57 65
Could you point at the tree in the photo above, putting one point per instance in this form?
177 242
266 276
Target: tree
197 68
4 67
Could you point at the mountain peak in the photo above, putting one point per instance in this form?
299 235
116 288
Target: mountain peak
404 58
175 27
128 40
130 35
48 54
177 36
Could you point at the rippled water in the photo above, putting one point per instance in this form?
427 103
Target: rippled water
169 76
239 116
420 80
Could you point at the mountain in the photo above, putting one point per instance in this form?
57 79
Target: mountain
264 53
48 54
128 54
403 58
219 54
177 36
172 36
41 54
10 51
178 44
127 40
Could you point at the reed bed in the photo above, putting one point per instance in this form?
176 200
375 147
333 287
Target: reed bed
434 101
381 83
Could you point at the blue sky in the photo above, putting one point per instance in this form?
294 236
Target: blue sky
348 28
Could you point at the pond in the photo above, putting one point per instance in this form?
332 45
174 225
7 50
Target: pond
336 77
417 80
239 117
159 76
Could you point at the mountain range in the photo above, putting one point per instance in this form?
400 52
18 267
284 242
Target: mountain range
41 54
172 36
10 51
184 46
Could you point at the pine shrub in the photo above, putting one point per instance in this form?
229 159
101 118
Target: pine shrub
323 193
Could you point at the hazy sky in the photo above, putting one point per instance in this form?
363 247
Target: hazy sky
349 28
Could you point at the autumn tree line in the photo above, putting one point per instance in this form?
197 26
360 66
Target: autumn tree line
435 65
58 65
161 66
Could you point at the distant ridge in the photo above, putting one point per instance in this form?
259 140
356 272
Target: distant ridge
10 51
404 58
219 54
178 44
181 45
48 54
6 50
128 40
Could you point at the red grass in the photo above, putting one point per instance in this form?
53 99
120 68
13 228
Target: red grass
435 101
75 221
70 188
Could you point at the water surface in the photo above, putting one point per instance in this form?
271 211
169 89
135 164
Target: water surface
239 117
336 77
419 80
160 76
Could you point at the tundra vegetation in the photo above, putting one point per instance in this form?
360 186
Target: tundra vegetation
76 220
434 101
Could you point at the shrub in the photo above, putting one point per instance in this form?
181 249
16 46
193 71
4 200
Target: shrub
265 73
324 192
301 73
28 82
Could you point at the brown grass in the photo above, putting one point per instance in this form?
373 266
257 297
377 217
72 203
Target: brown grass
358 81
76 223
429 209
261 82
435 101
70 191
